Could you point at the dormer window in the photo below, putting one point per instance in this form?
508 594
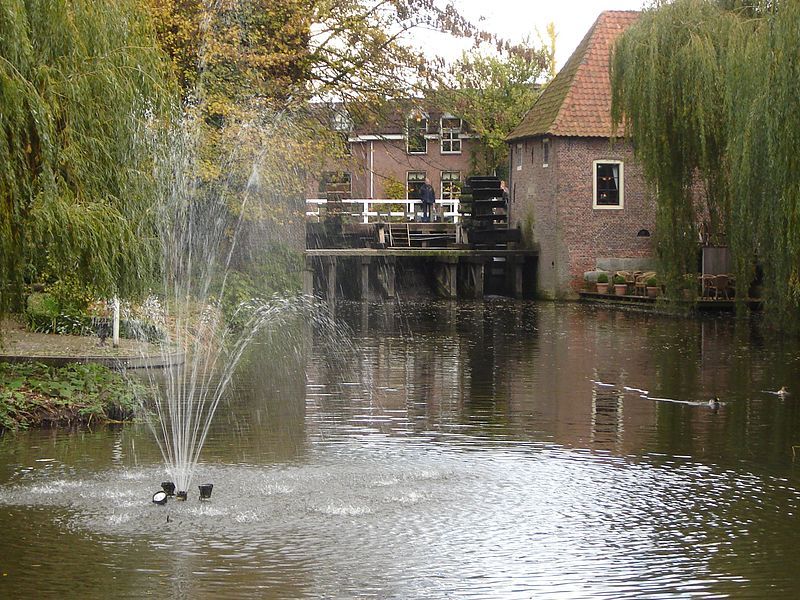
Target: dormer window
416 129
450 128
341 121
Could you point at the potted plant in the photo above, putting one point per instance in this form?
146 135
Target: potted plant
602 283
651 285
689 286
620 285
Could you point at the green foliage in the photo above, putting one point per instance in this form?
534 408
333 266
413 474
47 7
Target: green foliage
43 314
394 189
77 392
763 85
71 294
667 81
81 90
618 280
43 304
651 282
708 93
278 273
492 94
602 278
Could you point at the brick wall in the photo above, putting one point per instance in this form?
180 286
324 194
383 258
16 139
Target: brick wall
390 159
554 207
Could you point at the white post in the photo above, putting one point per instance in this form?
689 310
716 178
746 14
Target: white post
371 171
115 334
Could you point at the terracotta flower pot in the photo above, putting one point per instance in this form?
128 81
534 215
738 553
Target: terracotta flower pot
652 292
602 288
620 289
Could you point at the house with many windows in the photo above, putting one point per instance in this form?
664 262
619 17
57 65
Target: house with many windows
576 192
393 152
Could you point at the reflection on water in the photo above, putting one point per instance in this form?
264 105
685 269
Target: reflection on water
462 450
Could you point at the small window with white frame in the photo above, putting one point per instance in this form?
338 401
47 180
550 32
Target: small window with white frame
451 185
450 133
341 121
414 181
609 184
518 157
545 152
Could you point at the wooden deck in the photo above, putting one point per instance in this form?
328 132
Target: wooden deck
378 273
419 252
644 301
384 260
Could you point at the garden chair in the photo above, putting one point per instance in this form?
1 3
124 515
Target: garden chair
640 282
721 286
707 287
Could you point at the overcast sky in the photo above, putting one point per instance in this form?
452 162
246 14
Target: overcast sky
515 19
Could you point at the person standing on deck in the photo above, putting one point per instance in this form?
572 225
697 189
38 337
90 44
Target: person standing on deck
428 198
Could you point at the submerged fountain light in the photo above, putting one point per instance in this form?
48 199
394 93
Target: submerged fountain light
205 491
160 498
168 487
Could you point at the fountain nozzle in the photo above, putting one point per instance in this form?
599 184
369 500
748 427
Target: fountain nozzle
181 495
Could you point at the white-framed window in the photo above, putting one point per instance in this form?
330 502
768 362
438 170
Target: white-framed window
518 157
416 129
414 181
450 132
545 152
451 185
341 121
609 184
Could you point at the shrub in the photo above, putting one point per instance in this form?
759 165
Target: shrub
43 304
602 278
652 282
31 393
42 312
619 280
394 189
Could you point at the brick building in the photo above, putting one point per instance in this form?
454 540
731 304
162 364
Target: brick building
405 143
575 192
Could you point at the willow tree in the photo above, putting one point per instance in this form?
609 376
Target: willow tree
708 94
668 82
82 90
763 87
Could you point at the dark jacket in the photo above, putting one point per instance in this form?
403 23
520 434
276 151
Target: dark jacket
426 194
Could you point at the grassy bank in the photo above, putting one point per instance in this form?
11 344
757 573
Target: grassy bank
33 394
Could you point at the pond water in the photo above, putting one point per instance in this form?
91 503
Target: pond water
496 449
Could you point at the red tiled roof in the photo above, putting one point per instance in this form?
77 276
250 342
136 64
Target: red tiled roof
578 100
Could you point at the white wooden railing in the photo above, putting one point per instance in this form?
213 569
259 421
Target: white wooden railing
369 210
